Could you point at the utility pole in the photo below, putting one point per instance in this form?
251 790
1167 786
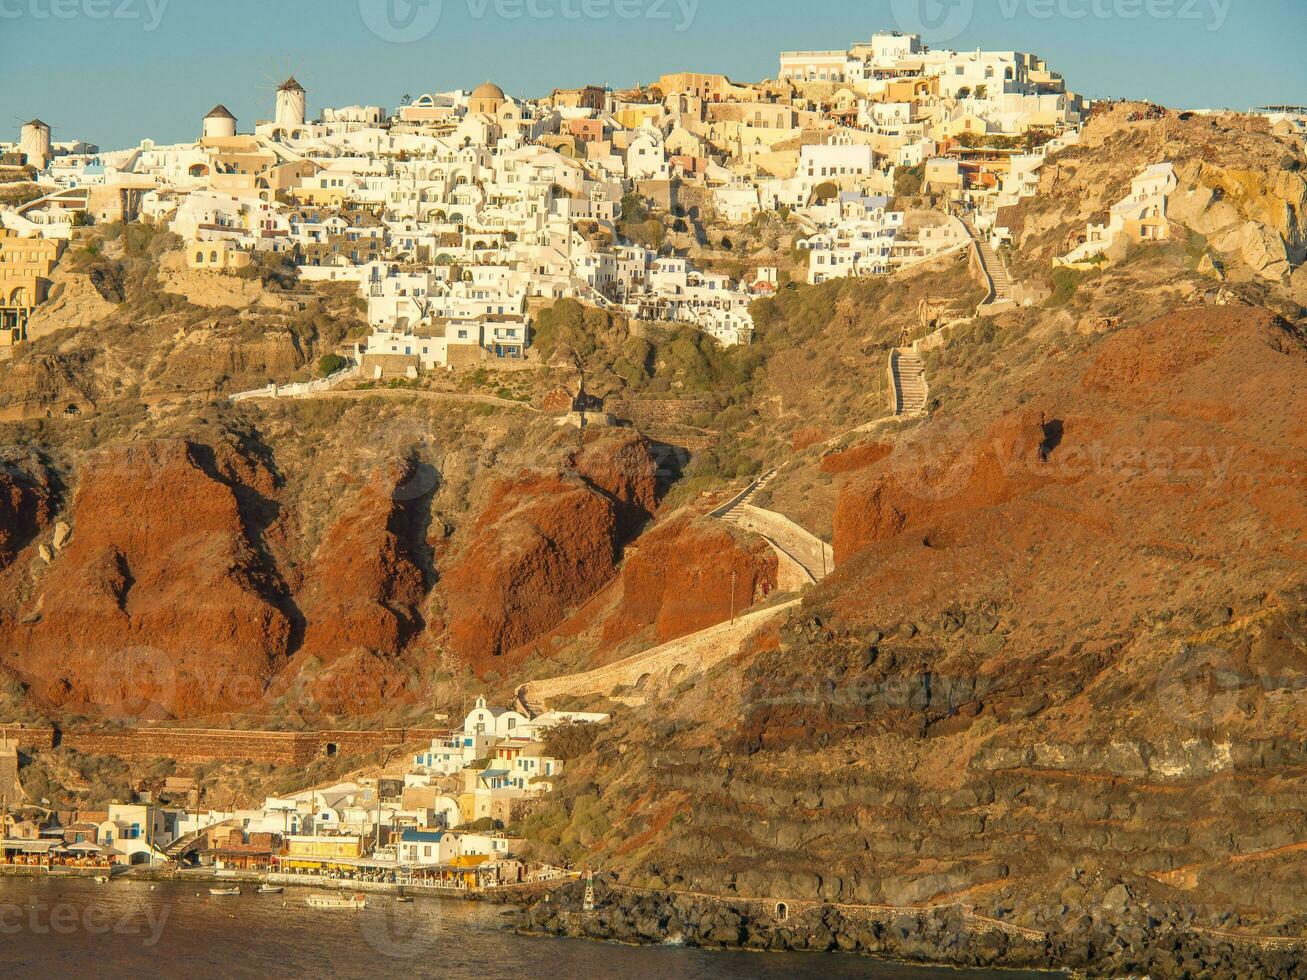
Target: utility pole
733 573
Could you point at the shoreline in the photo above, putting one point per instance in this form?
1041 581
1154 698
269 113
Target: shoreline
503 895
943 936
1094 943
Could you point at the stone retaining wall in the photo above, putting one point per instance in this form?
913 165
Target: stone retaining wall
196 745
655 412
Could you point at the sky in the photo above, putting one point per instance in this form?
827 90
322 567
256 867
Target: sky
115 71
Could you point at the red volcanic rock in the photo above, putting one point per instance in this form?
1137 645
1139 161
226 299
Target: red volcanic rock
857 458
937 471
558 401
160 604
26 503
541 545
365 585
679 579
358 683
546 543
1140 475
621 464
1163 350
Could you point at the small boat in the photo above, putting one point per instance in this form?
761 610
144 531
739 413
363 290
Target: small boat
404 899
101 879
224 892
270 889
337 902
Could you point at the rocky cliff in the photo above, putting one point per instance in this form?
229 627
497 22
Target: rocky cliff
162 596
1053 679
679 580
26 502
543 544
1239 212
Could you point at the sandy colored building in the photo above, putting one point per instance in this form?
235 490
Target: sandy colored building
216 256
25 267
709 88
592 97
487 99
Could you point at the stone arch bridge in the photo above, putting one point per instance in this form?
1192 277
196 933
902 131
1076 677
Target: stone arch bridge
657 670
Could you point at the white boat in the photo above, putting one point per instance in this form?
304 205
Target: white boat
224 892
337 902
270 889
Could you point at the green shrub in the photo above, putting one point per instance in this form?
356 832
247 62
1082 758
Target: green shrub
1065 282
329 364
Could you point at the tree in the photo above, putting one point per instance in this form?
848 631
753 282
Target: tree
824 192
329 364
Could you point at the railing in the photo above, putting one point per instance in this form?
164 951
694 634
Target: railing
299 389
814 54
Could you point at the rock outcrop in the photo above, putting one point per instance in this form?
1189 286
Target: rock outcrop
160 604
679 579
365 585
1240 200
26 502
543 544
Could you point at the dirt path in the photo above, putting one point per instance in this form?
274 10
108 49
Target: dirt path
466 397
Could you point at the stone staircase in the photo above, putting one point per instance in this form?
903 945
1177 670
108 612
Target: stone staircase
805 558
995 269
908 373
731 514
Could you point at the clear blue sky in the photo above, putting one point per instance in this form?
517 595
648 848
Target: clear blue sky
113 71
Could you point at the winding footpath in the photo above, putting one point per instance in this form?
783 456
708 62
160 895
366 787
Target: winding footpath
804 558
907 370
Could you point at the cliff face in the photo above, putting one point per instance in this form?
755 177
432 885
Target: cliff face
160 599
545 543
1053 670
26 503
541 546
679 579
1240 205
621 465
365 584
228 572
